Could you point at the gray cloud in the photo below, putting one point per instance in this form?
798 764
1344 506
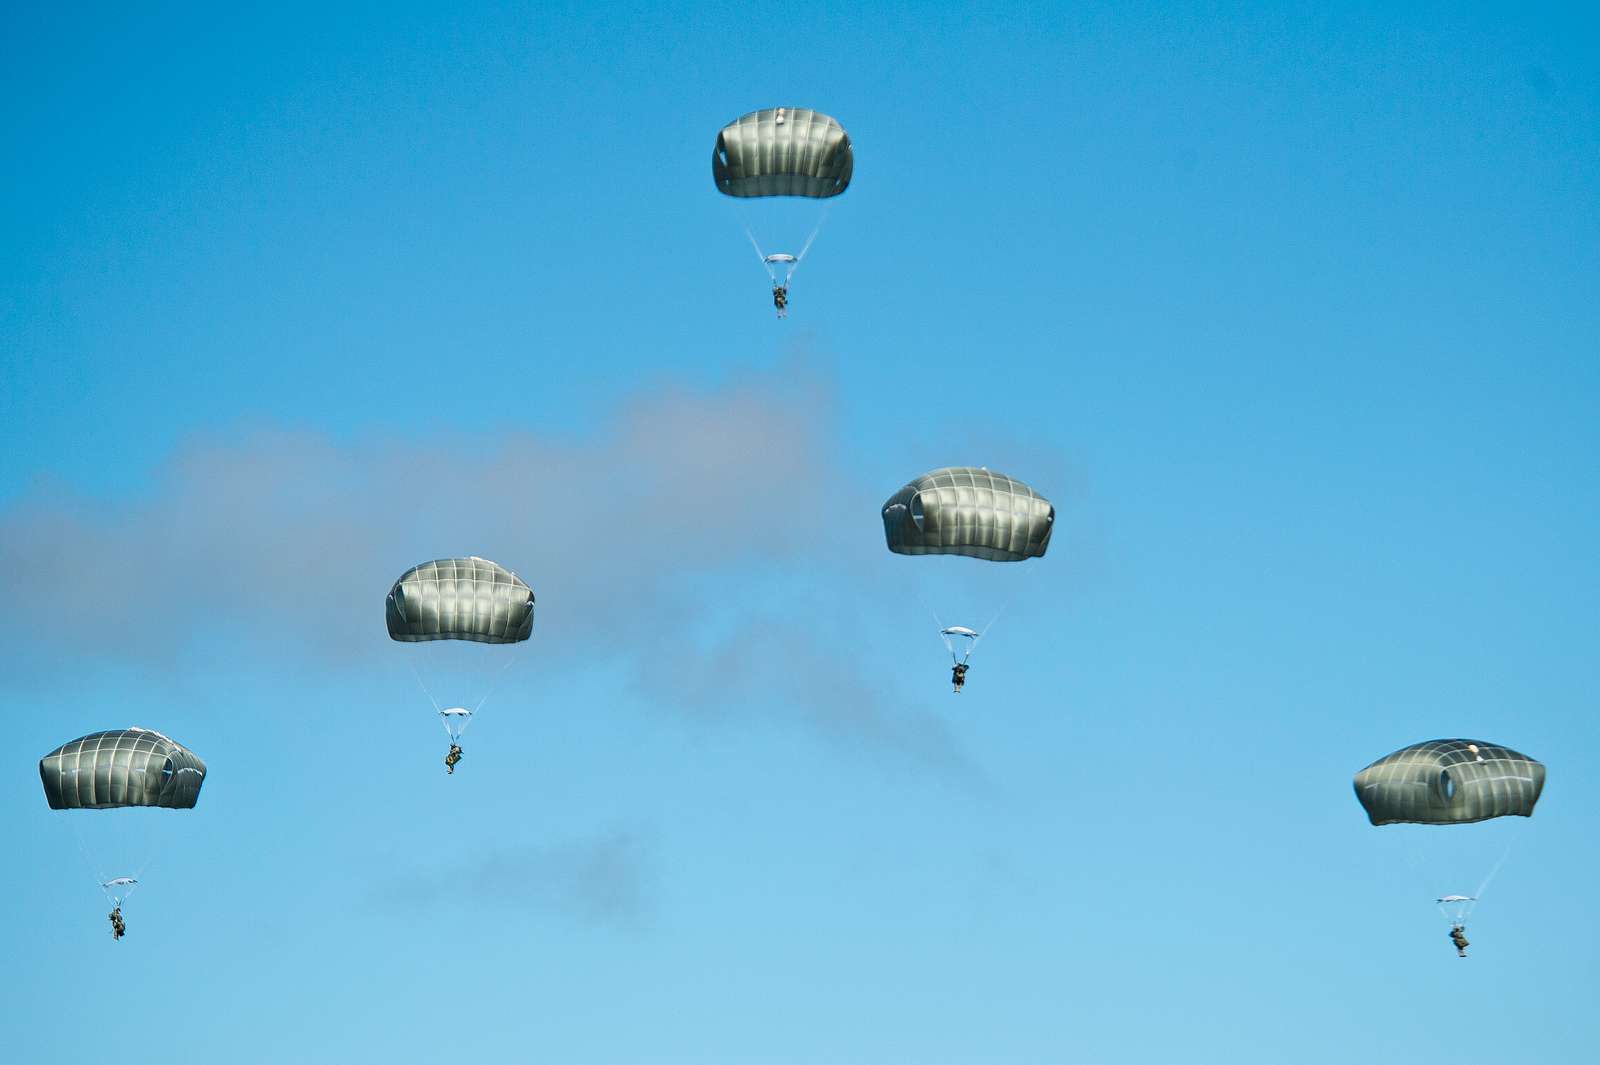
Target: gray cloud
293 538
604 879
292 533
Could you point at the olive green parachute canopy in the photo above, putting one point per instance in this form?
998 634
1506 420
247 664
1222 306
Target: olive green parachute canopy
125 767
783 151
460 599
967 510
1449 782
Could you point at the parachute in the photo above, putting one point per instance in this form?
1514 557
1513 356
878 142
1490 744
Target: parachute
122 768
1449 782
783 151
963 510
456 605
460 599
777 153
120 772
1452 782
968 512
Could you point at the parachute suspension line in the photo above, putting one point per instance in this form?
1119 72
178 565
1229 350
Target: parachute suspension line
754 243
409 662
150 856
495 683
938 626
794 267
94 869
152 851
1420 857
761 255
798 259
955 659
1476 895
985 630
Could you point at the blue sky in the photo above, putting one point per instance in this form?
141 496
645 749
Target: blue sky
1292 311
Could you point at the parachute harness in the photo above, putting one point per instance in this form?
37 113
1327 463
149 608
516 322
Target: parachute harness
414 672
495 682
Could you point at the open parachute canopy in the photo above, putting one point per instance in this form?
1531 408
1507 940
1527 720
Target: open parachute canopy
1449 782
967 510
460 599
123 768
783 151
